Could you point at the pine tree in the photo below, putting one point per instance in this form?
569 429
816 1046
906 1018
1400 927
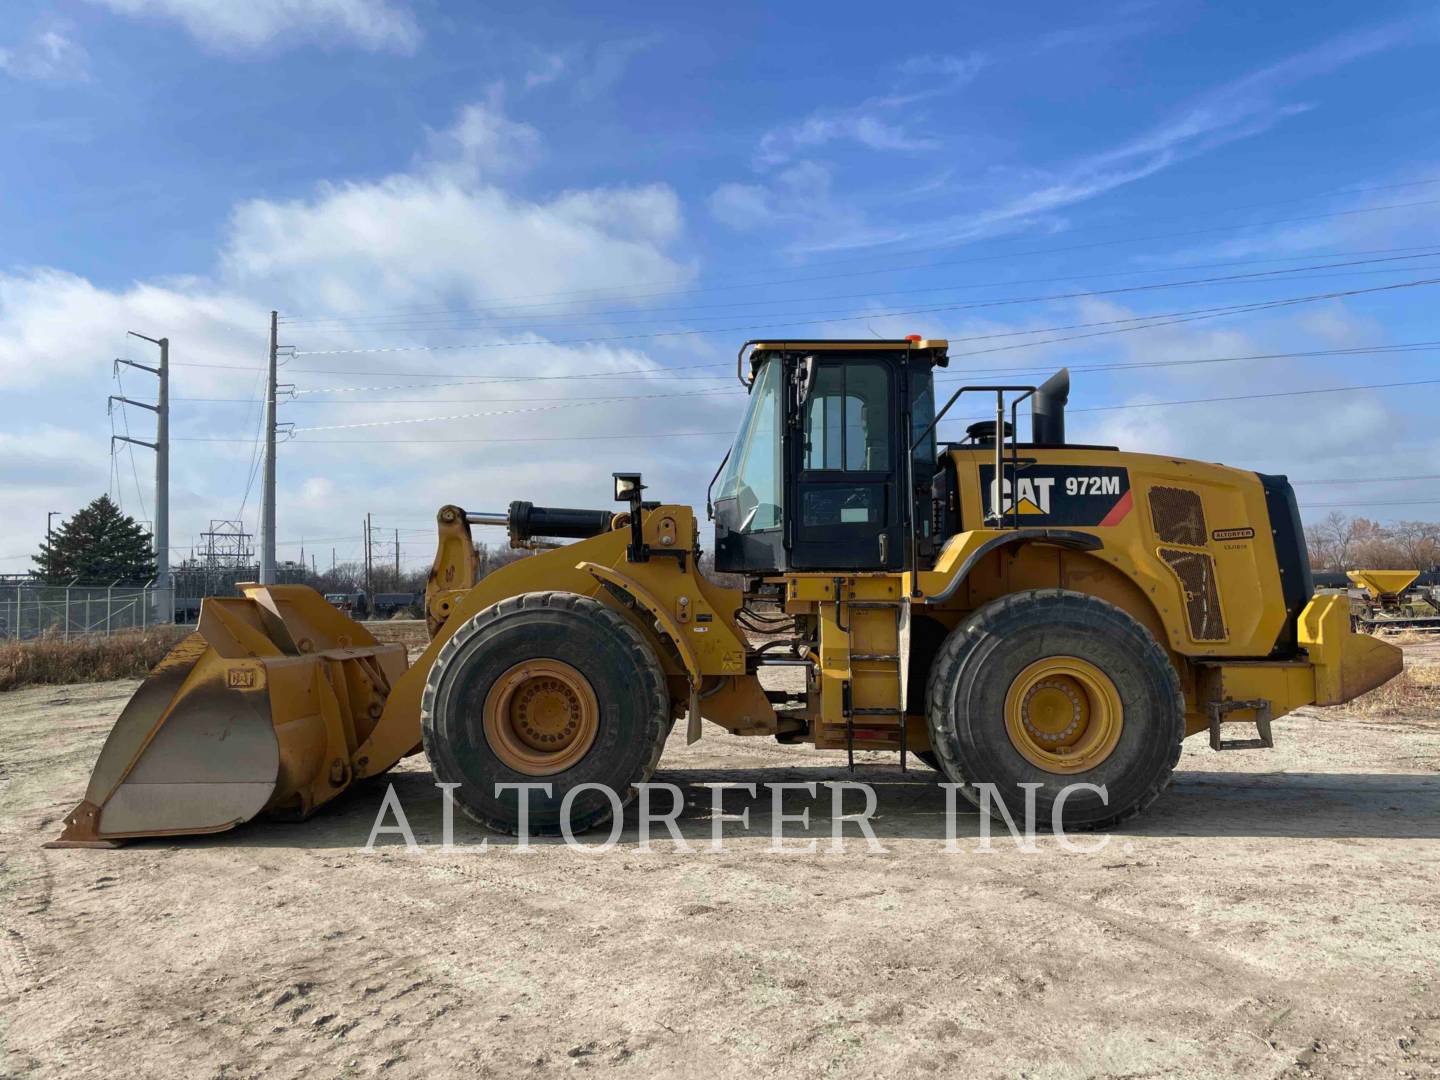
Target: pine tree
100 544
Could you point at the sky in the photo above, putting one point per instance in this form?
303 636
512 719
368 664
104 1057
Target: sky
515 247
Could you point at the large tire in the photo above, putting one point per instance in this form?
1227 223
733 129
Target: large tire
627 727
927 637
995 649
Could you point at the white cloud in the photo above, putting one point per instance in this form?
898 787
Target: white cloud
1238 109
484 142
587 71
873 124
431 237
412 240
797 196
860 126
607 64
742 206
1325 436
955 69
49 54
546 69
233 25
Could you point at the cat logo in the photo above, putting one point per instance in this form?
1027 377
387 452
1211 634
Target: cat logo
1033 493
241 678
1044 494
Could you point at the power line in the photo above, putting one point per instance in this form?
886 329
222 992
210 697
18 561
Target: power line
253 470
1198 316
621 292
1395 253
944 376
1258 397
1211 311
1372 479
129 443
574 404
467 379
686 434
960 375
604 401
1398 502
731 389
729 432
1270 277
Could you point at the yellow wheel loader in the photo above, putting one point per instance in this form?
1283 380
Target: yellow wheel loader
1011 612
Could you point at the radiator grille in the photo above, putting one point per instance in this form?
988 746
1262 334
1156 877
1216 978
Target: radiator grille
1178 516
1196 571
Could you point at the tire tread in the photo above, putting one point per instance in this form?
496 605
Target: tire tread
970 634
652 676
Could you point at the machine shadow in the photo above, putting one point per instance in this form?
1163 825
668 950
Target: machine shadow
913 805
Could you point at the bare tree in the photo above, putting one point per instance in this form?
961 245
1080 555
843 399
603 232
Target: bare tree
1340 529
1419 544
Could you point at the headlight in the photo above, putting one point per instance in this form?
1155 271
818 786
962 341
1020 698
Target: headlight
627 487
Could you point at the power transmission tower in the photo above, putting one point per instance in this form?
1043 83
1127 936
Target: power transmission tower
228 556
160 535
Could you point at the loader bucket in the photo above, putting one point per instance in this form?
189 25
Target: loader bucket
260 710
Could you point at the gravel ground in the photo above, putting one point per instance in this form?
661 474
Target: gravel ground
1275 914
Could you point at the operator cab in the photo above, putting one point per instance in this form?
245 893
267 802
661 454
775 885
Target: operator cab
819 473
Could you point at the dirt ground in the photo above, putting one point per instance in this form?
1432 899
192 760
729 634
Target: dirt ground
1277 913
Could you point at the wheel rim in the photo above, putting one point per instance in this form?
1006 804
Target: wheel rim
541 717
1063 714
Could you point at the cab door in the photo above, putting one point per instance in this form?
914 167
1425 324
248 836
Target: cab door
844 511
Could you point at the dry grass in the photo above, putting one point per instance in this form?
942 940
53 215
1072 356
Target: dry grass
1413 694
409 632
1408 637
92 659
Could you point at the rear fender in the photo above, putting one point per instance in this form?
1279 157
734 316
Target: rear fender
956 562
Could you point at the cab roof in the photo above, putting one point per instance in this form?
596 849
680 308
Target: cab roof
849 344
937 349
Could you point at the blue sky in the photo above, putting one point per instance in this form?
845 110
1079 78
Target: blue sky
531 193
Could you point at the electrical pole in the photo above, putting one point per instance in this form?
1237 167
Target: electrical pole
160 535
267 490
368 589
397 560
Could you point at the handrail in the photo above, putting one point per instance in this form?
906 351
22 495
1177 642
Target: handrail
740 363
955 396
709 506
997 512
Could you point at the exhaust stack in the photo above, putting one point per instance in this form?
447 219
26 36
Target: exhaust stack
1047 418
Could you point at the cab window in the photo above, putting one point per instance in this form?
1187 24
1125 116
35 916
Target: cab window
847 419
753 475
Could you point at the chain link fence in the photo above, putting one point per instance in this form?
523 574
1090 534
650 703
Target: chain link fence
30 610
